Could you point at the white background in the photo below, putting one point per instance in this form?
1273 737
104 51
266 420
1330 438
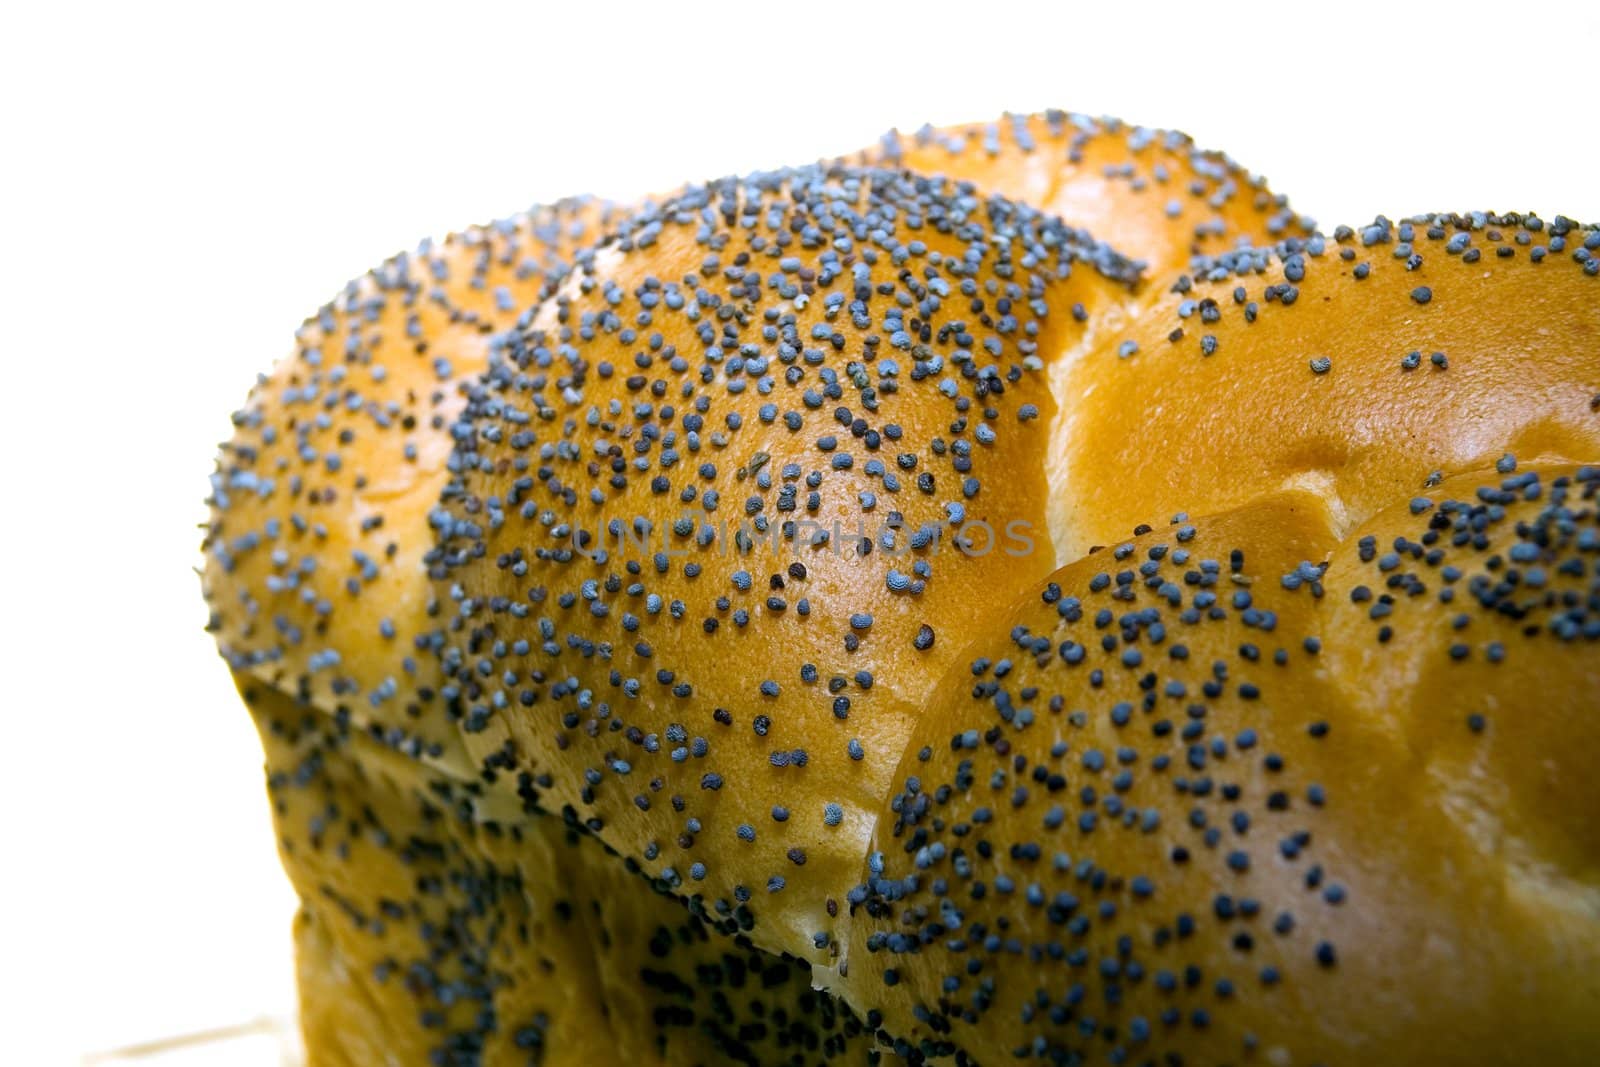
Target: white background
181 185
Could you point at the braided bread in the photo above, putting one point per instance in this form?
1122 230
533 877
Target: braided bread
1051 616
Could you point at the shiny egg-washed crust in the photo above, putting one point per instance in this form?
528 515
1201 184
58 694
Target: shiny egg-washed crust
320 503
1353 366
1253 789
441 923
689 720
1151 194
739 491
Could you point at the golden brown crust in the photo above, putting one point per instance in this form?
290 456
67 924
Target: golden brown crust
320 502
1243 788
1358 367
799 389
1151 194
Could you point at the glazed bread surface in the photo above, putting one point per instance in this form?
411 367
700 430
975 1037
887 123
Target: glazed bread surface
1019 593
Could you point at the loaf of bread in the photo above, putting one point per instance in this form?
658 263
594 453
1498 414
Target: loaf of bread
1017 592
